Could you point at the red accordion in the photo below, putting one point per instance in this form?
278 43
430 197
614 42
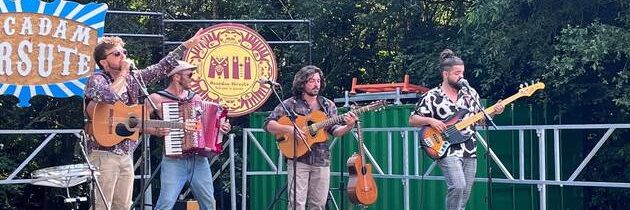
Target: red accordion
204 141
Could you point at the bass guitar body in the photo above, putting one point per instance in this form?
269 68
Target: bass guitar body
436 143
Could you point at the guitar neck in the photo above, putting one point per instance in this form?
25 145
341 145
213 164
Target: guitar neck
360 140
164 124
338 119
472 120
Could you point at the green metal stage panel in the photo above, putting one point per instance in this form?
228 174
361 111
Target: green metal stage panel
429 194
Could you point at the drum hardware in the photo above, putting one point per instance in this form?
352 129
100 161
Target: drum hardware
67 176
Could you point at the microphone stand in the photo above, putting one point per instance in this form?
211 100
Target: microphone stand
292 116
93 181
145 143
487 155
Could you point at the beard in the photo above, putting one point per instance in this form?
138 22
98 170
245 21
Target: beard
185 85
114 67
454 84
312 92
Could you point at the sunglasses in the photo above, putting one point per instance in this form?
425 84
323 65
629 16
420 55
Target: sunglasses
117 53
189 74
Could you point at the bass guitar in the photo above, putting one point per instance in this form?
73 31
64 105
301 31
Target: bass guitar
312 125
110 124
361 186
436 143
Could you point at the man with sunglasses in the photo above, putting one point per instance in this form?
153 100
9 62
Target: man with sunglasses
115 83
193 168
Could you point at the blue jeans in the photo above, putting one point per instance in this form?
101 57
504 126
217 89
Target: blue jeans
174 174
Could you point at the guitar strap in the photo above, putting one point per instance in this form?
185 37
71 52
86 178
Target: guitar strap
171 96
110 80
323 104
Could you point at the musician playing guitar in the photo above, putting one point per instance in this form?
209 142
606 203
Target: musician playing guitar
176 171
114 83
459 164
313 168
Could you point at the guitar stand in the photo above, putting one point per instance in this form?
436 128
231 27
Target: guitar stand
360 207
331 198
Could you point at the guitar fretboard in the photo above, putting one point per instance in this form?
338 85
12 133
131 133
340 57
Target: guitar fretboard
339 118
472 120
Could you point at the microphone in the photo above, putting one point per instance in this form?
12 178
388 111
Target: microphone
133 68
267 81
463 83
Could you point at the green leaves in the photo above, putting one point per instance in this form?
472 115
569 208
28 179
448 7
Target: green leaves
592 57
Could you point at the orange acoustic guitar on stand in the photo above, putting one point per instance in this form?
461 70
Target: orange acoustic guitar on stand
361 186
313 127
110 124
436 143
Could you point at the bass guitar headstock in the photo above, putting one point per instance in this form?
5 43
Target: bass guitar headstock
526 89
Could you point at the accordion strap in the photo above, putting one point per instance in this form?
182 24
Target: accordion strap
171 96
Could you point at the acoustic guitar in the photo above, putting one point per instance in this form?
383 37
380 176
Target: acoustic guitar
110 124
436 143
361 186
312 125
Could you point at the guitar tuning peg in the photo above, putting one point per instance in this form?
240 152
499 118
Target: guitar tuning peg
532 82
520 86
537 80
526 84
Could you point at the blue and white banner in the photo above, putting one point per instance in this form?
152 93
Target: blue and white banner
46 48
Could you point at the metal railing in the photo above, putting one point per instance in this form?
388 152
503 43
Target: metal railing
78 133
411 136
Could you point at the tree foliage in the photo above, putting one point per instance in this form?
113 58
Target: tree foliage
579 48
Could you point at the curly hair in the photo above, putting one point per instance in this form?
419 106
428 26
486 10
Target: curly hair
448 59
302 76
107 43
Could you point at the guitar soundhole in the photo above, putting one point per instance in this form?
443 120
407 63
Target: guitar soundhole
311 131
363 170
121 130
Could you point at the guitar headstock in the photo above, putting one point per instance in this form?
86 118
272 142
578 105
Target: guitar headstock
376 105
529 89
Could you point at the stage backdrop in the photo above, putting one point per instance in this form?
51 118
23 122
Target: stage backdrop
231 59
46 48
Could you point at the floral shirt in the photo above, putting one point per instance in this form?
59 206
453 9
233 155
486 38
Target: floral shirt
98 89
320 153
436 104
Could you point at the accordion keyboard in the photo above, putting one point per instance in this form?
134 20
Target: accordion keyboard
173 142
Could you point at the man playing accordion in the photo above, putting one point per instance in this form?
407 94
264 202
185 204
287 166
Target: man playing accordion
193 167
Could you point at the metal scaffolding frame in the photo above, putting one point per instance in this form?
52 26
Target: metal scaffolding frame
12 178
410 136
78 133
163 22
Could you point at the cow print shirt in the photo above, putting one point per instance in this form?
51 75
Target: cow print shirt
436 104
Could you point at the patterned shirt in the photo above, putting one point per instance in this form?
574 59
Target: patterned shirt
320 153
98 89
436 104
